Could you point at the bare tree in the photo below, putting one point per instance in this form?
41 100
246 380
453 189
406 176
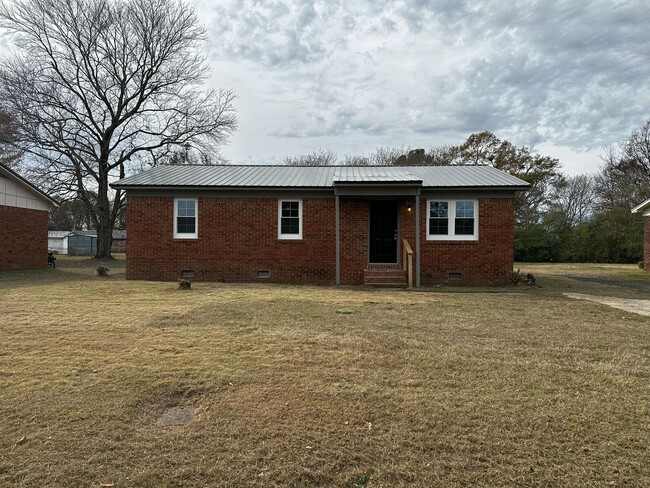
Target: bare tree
574 199
316 158
636 152
99 85
624 180
542 172
382 156
9 153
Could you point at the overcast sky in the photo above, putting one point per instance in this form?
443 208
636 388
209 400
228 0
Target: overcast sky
564 77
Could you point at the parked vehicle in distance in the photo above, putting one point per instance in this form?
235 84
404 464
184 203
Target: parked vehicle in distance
51 260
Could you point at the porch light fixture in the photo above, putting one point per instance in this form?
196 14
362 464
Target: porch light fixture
409 207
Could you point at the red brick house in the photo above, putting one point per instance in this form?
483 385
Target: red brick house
644 209
327 225
23 222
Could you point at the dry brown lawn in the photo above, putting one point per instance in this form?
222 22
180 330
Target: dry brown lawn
409 389
557 277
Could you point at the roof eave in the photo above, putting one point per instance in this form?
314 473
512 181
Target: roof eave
10 172
642 206
479 187
117 186
378 183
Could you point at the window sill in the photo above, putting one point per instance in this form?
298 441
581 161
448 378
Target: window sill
185 239
452 239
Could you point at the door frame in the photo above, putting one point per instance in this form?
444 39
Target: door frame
398 244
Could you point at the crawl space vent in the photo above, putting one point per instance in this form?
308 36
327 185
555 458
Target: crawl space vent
187 273
454 276
263 274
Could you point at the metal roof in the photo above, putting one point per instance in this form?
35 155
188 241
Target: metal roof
642 206
257 176
60 234
377 174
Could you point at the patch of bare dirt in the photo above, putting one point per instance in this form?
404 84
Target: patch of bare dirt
176 416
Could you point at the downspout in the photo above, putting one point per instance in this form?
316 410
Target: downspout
338 241
417 239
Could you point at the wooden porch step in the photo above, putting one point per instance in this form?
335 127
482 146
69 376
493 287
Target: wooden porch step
383 266
385 277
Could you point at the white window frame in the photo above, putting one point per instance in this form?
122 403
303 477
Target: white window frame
294 237
451 229
186 235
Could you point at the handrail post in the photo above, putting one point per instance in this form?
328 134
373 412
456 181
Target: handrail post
407 261
410 270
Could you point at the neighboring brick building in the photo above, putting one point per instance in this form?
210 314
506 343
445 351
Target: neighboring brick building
23 222
327 225
644 209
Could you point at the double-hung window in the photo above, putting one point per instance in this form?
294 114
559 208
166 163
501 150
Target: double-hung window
186 218
290 219
452 220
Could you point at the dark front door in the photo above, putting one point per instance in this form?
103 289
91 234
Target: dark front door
383 232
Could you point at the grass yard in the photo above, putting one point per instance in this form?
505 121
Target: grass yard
517 387
561 277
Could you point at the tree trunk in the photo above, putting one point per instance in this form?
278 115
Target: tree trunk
104 241
104 215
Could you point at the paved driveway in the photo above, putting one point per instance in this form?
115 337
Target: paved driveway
642 307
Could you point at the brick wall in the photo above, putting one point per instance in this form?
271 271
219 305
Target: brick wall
486 261
23 238
238 237
354 215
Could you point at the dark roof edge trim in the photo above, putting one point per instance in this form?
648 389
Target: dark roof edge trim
377 183
642 206
118 186
326 189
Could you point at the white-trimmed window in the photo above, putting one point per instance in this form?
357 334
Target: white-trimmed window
290 219
452 220
186 221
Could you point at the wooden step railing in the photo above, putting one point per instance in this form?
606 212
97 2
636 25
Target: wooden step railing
407 261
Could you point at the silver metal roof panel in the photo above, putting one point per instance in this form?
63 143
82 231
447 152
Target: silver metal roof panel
257 176
377 174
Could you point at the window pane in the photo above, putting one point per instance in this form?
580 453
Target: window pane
290 217
464 227
438 227
185 225
464 210
290 209
290 225
439 210
185 208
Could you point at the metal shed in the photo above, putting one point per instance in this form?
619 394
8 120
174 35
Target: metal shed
82 244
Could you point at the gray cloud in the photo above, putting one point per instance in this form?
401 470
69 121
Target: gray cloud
564 73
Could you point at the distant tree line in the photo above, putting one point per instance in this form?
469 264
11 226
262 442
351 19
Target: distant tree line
580 218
